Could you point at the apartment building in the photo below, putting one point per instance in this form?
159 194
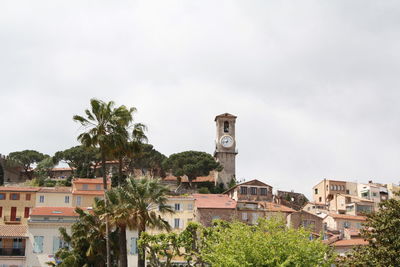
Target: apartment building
249 212
16 203
393 190
308 220
184 212
84 191
54 197
13 240
325 190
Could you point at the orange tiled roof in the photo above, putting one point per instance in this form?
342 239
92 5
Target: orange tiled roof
89 181
88 192
13 231
347 217
54 211
269 206
62 169
58 189
18 189
214 201
350 242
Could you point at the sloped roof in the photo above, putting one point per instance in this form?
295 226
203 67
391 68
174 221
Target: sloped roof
54 211
58 189
89 181
350 242
13 231
273 207
88 192
214 201
251 182
18 189
347 217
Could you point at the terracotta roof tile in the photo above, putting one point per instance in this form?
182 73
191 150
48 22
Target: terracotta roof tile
347 217
61 169
13 231
214 201
58 189
269 206
88 192
18 189
54 211
89 181
350 242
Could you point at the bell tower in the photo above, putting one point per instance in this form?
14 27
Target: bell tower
225 148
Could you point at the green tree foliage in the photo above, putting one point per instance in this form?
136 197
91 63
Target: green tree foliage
44 167
87 240
382 231
269 243
192 164
26 159
149 161
82 160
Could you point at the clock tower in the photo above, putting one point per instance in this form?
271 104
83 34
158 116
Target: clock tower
225 148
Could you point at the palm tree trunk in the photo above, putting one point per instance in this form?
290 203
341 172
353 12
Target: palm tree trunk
120 178
103 167
123 255
142 253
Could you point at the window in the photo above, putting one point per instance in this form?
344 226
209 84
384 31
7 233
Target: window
308 223
177 207
78 200
226 127
320 199
263 191
243 190
374 194
14 196
26 212
253 190
85 187
244 216
58 243
189 220
17 243
41 199
38 244
216 217
66 199
190 206
98 186
347 191
346 224
28 197
1 211
134 249
316 190
176 223
2 196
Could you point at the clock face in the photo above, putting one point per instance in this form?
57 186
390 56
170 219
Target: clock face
226 141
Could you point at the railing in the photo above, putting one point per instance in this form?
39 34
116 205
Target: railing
7 219
12 251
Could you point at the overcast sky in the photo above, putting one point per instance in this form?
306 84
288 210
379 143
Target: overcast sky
314 84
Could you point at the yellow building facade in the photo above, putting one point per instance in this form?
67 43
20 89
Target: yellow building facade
84 191
16 204
54 197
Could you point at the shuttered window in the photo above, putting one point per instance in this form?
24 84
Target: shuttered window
38 244
134 249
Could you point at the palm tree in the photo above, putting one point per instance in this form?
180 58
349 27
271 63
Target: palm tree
103 123
148 198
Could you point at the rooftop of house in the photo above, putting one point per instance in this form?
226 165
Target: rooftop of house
350 242
18 189
273 207
347 217
54 211
254 182
62 169
89 181
88 192
214 201
327 180
13 231
57 189
356 197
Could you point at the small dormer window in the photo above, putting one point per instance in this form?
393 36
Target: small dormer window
226 127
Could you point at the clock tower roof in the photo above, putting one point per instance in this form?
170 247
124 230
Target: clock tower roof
225 115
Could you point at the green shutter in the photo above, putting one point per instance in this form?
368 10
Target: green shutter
56 244
134 249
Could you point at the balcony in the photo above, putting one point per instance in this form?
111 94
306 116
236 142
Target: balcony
12 252
14 220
